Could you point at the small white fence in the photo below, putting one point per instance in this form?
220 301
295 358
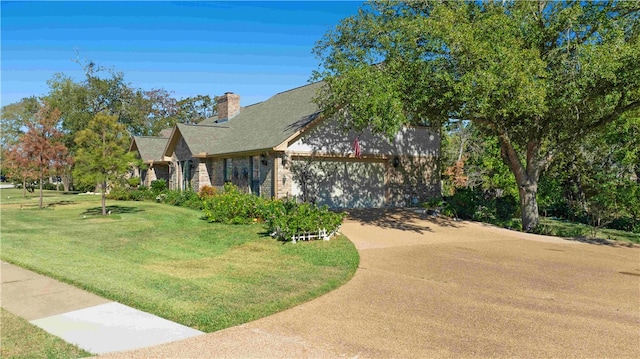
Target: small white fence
307 236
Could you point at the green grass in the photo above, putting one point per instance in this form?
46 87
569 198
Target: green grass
21 339
561 228
167 261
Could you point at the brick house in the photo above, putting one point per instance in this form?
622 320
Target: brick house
150 150
282 148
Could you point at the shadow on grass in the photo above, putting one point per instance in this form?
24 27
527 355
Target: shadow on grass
97 211
404 219
601 241
60 203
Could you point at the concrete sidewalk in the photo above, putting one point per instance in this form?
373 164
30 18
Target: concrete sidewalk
93 323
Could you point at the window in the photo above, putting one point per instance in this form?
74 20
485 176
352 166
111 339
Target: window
228 170
256 168
186 174
255 175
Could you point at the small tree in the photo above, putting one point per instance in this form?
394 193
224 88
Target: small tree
102 154
41 146
17 166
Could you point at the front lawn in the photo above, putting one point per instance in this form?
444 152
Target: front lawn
561 228
21 339
167 261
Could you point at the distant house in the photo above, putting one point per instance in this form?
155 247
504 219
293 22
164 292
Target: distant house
283 148
150 150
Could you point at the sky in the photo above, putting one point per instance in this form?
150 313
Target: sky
255 49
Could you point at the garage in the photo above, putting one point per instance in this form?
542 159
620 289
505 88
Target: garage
339 183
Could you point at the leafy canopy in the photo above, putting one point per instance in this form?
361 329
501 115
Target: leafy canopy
537 76
102 155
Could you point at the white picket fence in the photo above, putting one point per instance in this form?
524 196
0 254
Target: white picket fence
307 236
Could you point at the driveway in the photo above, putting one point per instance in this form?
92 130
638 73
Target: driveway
429 288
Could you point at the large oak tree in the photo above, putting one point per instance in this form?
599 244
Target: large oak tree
535 75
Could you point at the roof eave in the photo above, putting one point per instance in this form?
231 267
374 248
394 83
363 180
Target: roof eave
299 133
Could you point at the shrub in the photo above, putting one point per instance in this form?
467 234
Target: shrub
187 198
207 191
625 224
84 187
134 181
286 219
137 195
158 186
233 206
506 207
464 203
49 186
119 194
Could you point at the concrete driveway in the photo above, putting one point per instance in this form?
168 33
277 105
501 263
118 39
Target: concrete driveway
429 288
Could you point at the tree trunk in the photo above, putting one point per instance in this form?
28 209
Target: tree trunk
65 182
529 205
104 198
526 178
41 180
24 187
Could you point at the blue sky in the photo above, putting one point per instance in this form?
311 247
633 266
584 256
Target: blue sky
255 49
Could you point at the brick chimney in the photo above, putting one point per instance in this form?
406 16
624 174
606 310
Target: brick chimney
228 106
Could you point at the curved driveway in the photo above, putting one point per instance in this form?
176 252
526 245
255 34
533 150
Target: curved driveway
429 288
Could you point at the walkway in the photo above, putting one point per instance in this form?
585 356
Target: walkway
95 324
428 288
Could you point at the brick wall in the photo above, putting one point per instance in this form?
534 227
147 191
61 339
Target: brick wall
283 177
217 173
228 105
415 178
204 174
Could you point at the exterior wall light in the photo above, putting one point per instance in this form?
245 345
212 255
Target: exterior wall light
396 161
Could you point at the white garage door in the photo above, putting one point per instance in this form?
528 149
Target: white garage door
339 184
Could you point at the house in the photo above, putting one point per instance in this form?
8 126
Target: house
283 148
150 150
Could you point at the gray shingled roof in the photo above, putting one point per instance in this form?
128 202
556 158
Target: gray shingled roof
150 148
261 126
202 138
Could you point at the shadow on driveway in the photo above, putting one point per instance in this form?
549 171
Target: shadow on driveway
404 219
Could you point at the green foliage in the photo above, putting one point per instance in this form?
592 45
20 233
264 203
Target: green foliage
15 117
506 207
21 339
134 181
102 155
84 187
119 193
465 203
187 198
158 186
166 261
535 77
129 194
286 219
233 206
49 186
596 182
478 205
